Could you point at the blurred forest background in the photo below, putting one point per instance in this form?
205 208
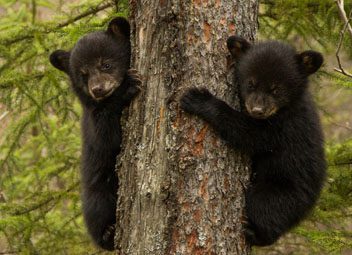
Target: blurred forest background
40 209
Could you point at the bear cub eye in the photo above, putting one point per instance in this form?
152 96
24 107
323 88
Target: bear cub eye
105 67
275 91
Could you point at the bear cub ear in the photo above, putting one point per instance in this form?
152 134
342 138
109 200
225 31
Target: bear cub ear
60 59
119 27
310 61
237 46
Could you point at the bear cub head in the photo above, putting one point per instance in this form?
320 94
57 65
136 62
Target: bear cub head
98 63
272 74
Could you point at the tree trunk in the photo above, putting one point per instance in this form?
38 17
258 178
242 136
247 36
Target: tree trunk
180 187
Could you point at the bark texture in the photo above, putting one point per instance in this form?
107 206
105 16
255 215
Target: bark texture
181 188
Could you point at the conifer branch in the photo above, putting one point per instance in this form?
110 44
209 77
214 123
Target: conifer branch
85 14
89 12
45 201
341 7
346 27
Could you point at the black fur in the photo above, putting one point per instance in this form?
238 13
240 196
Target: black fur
279 128
97 66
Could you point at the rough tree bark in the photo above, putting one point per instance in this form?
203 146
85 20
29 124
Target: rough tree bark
181 187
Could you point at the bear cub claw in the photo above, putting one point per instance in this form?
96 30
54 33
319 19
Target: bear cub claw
109 233
135 81
107 240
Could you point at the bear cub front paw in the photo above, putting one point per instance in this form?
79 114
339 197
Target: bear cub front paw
135 83
194 100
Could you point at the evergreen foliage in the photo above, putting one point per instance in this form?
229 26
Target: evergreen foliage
40 208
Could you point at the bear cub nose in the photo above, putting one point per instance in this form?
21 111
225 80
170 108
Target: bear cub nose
98 91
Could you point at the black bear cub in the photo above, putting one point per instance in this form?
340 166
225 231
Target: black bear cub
279 128
98 66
